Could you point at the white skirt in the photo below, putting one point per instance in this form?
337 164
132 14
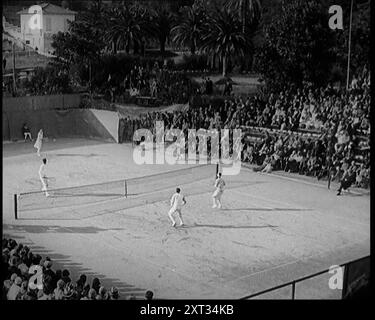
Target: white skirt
38 144
217 193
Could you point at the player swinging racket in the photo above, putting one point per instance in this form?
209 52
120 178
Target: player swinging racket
216 196
38 142
43 176
177 202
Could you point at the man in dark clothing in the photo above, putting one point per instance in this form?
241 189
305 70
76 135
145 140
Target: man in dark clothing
347 180
48 272
26 132
210 86
121 126
13 262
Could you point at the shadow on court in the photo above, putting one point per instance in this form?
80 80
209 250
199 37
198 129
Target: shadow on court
266 209
61 262
55 229
62 195
90 155
228 226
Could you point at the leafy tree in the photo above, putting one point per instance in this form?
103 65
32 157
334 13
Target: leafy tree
297 46
48 80
223 36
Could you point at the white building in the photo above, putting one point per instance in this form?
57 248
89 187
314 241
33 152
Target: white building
40 22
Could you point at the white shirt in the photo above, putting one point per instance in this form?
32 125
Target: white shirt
40 136
219 184
42 171
177 201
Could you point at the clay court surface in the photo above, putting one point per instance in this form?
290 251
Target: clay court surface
272 228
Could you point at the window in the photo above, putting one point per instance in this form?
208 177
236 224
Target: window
27 41
48 24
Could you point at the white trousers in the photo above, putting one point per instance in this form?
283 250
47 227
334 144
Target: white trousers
173 211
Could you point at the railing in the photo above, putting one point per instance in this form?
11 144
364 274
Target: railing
294 282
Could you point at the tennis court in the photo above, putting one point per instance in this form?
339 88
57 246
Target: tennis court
271 230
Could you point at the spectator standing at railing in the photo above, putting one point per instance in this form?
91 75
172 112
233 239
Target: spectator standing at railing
14 289
66 276
347 180
59 291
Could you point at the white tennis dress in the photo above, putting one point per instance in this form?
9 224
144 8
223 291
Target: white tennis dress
43 176
38 142
219 185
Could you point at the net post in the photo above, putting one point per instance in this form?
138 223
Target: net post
293 290
15 207
125 188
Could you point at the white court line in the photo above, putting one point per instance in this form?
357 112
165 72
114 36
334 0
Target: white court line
290 213
290 204
183 276
283 265
312 217
269 200
301 181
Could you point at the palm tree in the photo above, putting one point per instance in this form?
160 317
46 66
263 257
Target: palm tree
249 11
94 19
223 36
189 29
162 22
123 28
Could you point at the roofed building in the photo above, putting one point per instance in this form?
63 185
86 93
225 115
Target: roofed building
39 23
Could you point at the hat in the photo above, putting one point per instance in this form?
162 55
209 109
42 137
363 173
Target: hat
23 268
13 261
102 290
18 281
60 284
68 291
114 291
92 293
13 277
13 252
149 294
24 286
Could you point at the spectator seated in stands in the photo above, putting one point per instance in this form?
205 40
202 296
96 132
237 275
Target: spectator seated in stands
55 285
317 123
26 132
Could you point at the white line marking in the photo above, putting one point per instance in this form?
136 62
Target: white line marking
296 214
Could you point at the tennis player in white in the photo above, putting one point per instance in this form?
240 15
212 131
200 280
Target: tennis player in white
43 177
177 202
38 142
216 196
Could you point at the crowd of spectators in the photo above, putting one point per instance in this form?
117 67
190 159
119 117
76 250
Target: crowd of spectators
336 122
29 276
168 86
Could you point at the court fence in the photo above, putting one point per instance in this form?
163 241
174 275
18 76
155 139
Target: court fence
354 272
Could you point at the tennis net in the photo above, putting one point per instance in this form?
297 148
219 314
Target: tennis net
102 193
